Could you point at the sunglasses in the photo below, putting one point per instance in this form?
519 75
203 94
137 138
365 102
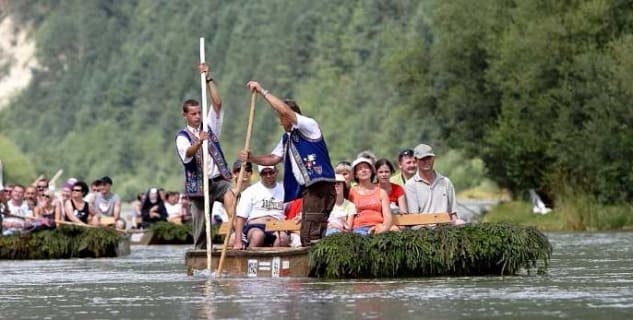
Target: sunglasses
46 196
78 190
267 173
405 153
42 187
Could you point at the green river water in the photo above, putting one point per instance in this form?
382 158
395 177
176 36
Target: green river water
591 277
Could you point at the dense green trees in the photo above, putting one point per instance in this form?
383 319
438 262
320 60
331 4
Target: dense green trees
539 90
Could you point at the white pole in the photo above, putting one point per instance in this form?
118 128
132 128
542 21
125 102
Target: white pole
1 177
205 157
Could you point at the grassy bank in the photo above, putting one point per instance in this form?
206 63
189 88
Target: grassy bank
577 213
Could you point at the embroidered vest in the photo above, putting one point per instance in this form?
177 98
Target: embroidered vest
193 170
312 158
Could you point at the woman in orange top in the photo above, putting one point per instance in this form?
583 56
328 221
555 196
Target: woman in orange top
372 203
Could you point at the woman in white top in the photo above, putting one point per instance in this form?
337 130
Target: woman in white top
342 211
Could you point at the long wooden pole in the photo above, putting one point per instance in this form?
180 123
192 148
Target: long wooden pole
70 223
247 144
205 157
53 180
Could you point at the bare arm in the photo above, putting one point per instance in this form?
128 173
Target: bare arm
69 213
402 204
264 159
279 105
58 210
216 101
386 211
117 210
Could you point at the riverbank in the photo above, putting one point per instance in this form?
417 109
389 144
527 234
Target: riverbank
578 216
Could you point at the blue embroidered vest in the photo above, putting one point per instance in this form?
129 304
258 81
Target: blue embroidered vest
193 169
312 158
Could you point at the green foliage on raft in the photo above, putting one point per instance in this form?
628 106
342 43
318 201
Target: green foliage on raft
167 232
61 243
171 233
479 249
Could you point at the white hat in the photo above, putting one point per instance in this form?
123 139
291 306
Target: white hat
362 160
262 168
339 178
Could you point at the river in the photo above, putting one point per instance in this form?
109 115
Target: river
591 277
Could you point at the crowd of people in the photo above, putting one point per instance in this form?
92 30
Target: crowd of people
38 206
360 196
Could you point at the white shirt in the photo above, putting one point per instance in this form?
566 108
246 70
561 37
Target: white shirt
308 128
173 210
21 210
258 201
214 121
437 197
339 214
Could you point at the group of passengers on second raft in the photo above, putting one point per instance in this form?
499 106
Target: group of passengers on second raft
38 206
368 193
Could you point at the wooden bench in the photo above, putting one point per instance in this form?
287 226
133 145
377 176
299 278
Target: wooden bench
106 221
281 225
411 219
416 219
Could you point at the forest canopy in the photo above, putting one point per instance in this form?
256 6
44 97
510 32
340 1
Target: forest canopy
539 90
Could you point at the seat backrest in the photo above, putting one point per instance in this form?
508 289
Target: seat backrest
416 219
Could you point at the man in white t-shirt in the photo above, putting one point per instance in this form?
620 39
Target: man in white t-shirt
260 203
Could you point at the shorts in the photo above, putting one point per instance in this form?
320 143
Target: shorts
269 237
363 231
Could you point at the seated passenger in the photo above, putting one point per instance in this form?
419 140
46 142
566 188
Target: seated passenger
372 203
153 208
76 208
397 201
344 168
293 211
46 208
173 206
428 191
16 205
260 203
343 212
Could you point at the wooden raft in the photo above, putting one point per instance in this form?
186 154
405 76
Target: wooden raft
281 261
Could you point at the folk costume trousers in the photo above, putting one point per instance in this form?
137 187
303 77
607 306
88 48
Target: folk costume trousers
318 201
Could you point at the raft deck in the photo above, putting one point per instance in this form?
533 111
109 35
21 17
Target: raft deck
259 262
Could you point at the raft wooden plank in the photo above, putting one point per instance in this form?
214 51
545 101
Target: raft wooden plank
224 228
255 262
414 219
106 221
283 225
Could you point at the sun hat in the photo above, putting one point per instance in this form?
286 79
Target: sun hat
339 178
363 160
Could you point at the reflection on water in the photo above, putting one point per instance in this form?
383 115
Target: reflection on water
590 278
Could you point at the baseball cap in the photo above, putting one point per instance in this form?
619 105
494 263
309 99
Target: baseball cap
237 165
422 151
